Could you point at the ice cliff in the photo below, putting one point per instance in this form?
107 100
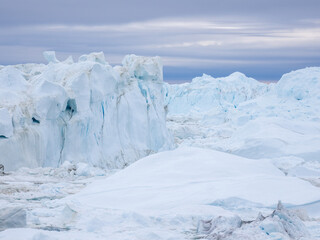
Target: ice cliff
85 111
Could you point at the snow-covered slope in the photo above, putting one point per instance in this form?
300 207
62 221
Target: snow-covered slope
240 115
85 111
194 176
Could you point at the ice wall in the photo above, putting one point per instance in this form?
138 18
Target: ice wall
85 111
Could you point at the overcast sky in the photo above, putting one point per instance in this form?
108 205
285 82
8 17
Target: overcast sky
262 39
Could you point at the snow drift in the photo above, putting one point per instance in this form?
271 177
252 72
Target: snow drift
85 111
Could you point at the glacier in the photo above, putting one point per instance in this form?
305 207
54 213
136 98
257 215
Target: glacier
85 111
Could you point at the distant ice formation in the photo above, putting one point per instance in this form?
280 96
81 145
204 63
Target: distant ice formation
240 115
207 93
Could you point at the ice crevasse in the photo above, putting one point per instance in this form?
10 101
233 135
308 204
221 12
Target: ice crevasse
85 111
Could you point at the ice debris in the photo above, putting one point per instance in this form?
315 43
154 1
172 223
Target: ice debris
12 218
281 224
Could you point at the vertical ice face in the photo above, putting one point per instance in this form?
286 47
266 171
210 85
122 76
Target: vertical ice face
87 111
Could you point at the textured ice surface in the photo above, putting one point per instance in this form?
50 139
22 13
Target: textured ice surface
164 196
281 224
85 112
206 93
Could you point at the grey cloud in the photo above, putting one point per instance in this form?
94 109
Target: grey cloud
260 38
19 12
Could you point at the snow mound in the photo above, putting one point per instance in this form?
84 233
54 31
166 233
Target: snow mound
86 111
194 177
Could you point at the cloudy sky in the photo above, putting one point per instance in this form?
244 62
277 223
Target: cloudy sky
261 38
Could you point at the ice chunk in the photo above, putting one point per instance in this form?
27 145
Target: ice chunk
144 68
219 226
93 57
11 79
300 84
12 218
50 56
288 222
83 169
281 224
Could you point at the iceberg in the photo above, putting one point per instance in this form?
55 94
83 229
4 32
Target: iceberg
85 111
205 93
245 117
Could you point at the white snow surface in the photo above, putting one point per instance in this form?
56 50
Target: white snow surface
85 111
195 176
